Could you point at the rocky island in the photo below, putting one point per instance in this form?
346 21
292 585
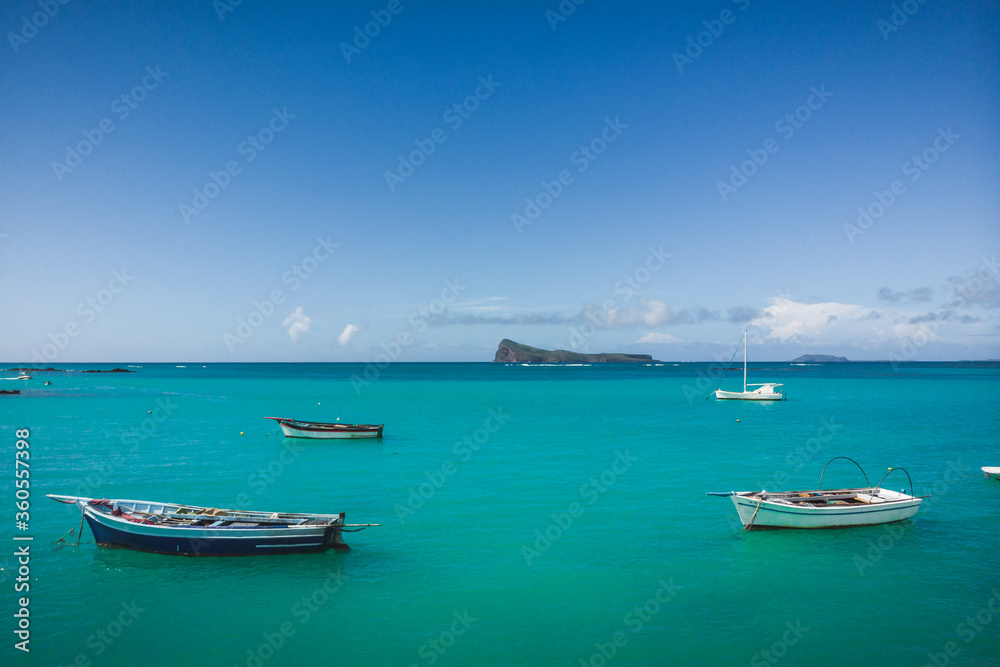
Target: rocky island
817 359
510 352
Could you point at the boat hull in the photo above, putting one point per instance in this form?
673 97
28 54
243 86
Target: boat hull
196 531
992 472
193 542
757 514
747 396
330 431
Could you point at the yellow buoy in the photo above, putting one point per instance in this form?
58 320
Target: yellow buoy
241 432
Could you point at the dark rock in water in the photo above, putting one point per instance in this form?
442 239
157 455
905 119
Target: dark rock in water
10 391
510 352
113 370
818 359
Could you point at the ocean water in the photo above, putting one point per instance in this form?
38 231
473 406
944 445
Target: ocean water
547 515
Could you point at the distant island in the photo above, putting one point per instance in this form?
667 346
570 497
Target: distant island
51 369
818 359
510 352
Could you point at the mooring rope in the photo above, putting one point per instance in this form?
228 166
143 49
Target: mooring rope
750 523
79 533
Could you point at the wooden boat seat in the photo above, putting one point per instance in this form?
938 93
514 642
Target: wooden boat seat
823 498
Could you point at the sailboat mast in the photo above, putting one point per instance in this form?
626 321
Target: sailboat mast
744 361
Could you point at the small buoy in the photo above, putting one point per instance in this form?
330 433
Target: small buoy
737 420
149 412
241 432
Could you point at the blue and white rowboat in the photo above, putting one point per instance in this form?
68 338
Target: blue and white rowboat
187 530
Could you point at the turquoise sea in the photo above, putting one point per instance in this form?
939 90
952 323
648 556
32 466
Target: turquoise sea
545 515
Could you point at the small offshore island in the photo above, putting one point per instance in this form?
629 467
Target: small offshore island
510 352
51 369
818 359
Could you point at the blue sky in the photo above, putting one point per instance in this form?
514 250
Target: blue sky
262 182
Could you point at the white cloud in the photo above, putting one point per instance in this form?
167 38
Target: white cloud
785 319
657 338
348 334
653 313
297 323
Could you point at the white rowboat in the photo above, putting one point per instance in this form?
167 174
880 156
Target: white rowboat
293 428
837 508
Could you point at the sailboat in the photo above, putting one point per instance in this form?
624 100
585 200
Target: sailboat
764 392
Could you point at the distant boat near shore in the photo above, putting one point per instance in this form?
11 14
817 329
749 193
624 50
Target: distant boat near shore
294 428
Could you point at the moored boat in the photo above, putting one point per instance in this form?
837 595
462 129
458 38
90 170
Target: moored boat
764 392
188 530
836 508
992 472
294 428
